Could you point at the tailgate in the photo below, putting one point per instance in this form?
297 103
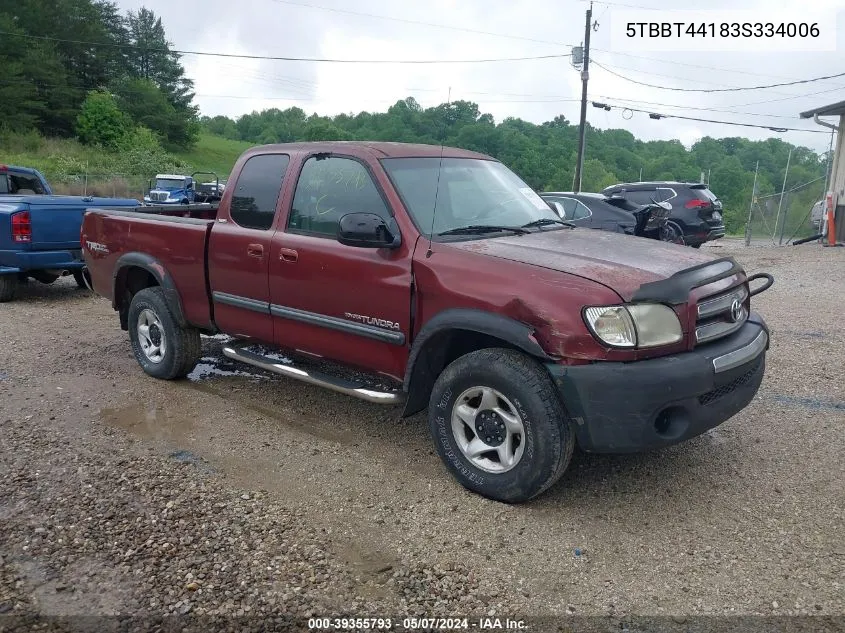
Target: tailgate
57 220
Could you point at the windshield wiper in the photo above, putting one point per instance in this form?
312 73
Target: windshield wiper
546 221
483 228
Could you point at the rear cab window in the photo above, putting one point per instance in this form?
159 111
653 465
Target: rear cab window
257 191
20 183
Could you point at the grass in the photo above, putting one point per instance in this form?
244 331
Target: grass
57 157
214 153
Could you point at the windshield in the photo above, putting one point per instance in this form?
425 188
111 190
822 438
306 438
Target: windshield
169 183
471 192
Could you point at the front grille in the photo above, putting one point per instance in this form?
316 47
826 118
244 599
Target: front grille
721 315
159 196
733 385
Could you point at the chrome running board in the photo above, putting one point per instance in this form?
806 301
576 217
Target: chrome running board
313 377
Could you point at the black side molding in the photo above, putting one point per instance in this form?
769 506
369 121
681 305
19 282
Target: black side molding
241 302
675 289
333 323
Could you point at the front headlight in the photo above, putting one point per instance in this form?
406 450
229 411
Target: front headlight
635 325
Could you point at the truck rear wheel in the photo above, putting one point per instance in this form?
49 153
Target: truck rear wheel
161 346
8 287
499 426
79 278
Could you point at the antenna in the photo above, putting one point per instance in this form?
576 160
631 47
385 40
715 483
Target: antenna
439 170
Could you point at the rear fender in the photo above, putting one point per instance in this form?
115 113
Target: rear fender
122 293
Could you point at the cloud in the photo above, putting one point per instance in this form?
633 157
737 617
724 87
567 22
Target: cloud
536 91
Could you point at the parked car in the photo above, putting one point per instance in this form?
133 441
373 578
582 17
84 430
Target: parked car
611 213
696 211
39 238
23 181
436 278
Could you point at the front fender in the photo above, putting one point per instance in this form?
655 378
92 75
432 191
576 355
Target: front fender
426 359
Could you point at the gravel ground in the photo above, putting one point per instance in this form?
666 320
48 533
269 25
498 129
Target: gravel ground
259 501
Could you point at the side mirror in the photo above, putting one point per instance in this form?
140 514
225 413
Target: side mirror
366 230
558 207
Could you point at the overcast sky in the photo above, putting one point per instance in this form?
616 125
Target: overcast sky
533 90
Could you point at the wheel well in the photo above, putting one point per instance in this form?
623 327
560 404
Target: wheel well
130 280
438 351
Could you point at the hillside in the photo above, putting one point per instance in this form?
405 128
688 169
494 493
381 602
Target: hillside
74 168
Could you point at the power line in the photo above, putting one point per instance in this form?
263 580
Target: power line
689 79
703 67
686 107
656 115
420 23
809 94
289 59
789 83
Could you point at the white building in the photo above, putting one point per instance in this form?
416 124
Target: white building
836 186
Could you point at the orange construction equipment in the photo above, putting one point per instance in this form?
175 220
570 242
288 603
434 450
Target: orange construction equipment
831 228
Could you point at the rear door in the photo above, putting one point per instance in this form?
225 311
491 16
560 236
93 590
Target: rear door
342 302
239 249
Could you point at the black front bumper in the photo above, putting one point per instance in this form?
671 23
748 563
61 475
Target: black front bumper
647 404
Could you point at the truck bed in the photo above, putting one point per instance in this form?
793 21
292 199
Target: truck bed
177 243
202 211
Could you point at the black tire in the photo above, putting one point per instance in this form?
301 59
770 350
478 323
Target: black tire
8 287
549 439
696 245
183 347
672 233
79 279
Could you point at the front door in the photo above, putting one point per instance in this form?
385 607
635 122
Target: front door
239 249
345 303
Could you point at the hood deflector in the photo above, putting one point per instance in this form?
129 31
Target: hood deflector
675 289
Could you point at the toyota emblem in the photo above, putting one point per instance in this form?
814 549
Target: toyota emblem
736 311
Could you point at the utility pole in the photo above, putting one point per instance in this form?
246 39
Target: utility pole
585 75
751 206
780 203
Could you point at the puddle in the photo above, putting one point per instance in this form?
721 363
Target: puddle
211 367
187 457
810 403
148 421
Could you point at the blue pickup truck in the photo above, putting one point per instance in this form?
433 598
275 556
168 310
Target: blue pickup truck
40 232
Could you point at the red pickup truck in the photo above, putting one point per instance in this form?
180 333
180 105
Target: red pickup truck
436 278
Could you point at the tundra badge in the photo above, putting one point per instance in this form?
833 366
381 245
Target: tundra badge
372 321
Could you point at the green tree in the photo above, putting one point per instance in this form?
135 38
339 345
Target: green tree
101 121
149 106
151 58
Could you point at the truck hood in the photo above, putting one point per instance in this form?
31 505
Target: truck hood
620 262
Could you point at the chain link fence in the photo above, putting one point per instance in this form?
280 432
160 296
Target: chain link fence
779 218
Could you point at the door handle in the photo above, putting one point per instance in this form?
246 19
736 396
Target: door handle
255 250
288 255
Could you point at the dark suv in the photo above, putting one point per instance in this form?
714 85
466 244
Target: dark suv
696 211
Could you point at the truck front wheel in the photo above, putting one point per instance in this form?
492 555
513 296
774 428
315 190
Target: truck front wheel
499 426
161 346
